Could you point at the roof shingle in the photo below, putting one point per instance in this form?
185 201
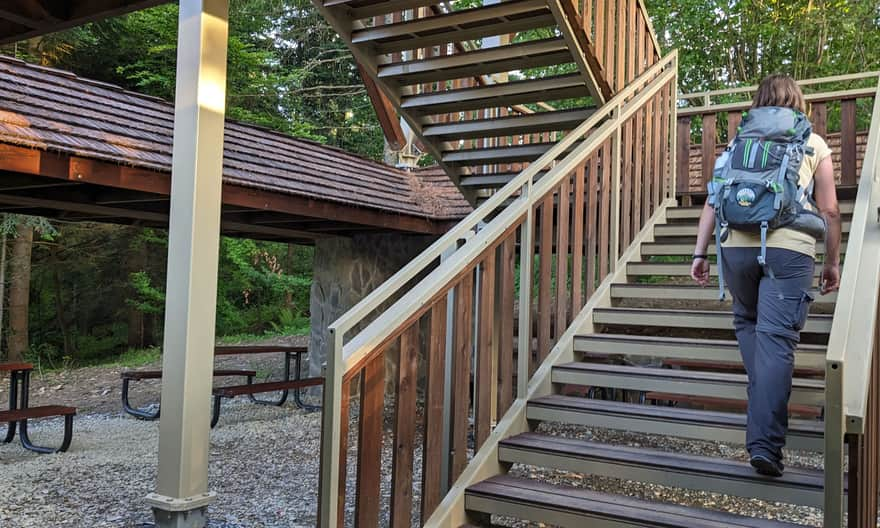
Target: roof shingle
57 111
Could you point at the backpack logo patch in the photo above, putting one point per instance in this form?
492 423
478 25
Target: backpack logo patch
745 197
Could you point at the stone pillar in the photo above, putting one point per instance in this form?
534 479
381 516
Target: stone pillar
345 271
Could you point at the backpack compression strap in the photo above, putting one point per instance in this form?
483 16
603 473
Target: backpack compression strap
720 262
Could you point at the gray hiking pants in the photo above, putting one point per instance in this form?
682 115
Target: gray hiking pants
768 317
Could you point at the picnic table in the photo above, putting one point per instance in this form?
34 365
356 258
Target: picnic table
292 355
20 411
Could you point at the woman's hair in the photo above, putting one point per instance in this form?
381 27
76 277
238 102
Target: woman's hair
780 90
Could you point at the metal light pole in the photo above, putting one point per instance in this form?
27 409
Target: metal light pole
182 494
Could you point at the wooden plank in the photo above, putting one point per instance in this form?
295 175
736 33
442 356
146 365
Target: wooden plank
405 428
819 118
563 230
631 39
464 344
506 368
648 162
587 16
432 457
577 242
592 223
733 121
545 276
638 169
620 69
605 212
848 152
708 148
639 43
344 423
601 43
369 470
484 384
610 15
626 224
659 150
683 144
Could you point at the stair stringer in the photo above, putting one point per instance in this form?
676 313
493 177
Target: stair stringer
451 512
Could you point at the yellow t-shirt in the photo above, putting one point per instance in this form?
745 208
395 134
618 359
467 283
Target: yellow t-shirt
785 238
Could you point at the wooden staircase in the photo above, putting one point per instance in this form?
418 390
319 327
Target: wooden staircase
478 109
562 304
654 320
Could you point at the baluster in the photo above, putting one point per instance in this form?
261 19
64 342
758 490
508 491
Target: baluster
605 211
369 469
545 277
563 229
432 456
484 389
505 291
683 158
592 222
848 151
464 339
405 428
708 147
577 243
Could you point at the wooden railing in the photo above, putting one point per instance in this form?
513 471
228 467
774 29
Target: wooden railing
852 373
619 37
479 310
839 109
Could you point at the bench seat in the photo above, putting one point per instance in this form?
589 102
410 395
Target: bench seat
138 375
21 416
256 388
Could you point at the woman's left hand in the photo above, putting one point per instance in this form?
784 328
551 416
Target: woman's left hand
700 271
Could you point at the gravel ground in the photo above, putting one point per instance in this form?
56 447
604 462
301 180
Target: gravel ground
264 466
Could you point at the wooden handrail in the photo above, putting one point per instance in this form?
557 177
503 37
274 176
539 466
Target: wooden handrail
474 247
804 82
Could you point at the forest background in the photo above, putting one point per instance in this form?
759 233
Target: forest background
78 294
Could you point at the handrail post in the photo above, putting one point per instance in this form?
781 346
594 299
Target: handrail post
616 156
524 347
834 444
331 434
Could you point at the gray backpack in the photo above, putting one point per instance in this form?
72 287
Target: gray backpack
755 181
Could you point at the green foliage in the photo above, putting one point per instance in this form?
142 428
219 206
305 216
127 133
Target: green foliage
140 357
726 43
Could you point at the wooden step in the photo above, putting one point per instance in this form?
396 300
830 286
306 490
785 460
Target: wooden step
806 356
711 426
360 9
726 404
675 269
733 366
709 320
692 382
687 293
511 125
570 507
796 486
489 156
514 57
683 246
693 213
494 95
457 26
688 230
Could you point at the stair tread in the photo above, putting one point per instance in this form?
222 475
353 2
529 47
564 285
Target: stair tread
679 375
608 506
685 313
537 122
465 24
809 479
624 338
674 269
523 91
812 428
479 62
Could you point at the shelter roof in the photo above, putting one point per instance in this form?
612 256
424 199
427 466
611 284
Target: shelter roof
97 125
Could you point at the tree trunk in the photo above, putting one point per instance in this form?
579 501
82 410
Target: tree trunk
19 291
60 315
